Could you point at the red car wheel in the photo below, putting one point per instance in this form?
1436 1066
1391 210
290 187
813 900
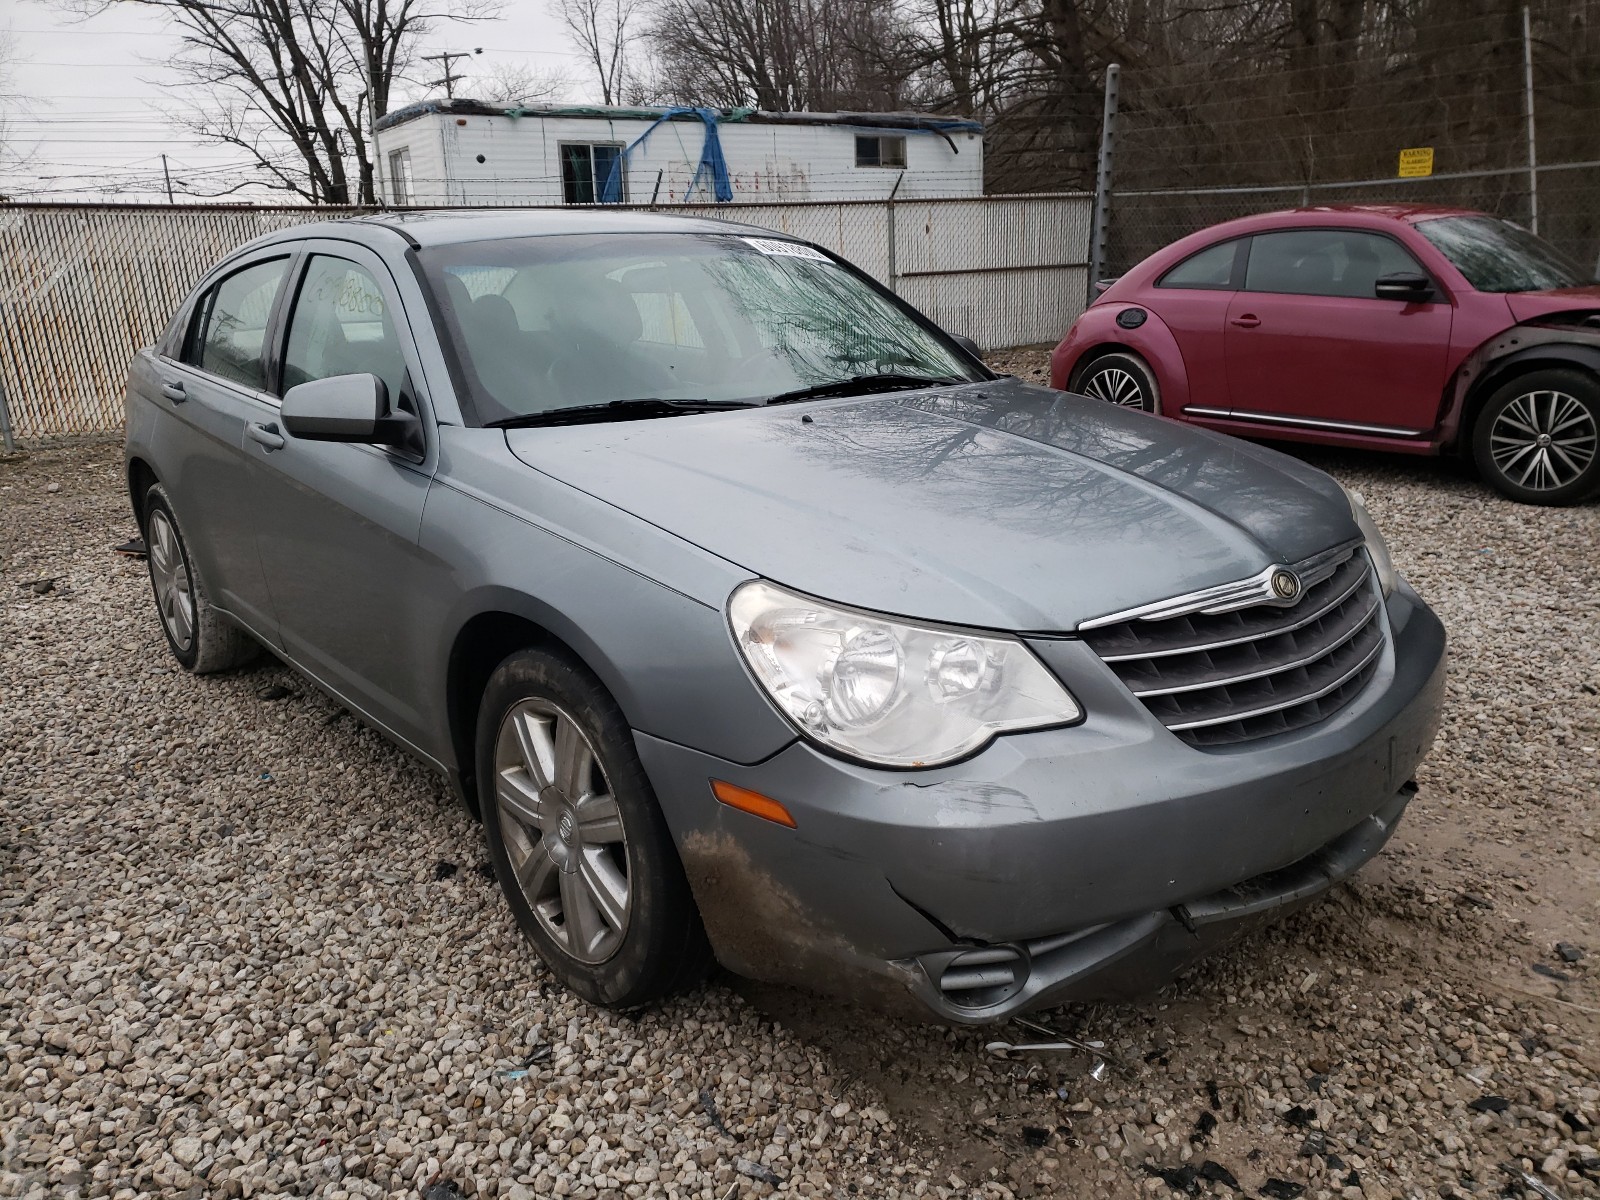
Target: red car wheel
1119 378
1537 440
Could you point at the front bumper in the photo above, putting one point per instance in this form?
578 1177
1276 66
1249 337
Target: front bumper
1058 864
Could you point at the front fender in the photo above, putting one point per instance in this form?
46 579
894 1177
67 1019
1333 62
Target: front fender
642 608
1097 330
1520 348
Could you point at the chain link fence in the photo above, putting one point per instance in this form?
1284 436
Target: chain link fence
1469 94
82 287
1142 222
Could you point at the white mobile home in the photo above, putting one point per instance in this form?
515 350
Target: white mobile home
446 152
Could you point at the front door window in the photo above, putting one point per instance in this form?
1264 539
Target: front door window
1324 262
341 326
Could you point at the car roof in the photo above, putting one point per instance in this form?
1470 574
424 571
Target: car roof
443 227
1337 216
1354 215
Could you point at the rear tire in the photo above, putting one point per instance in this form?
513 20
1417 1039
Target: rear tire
577 839
1120 378
200 637
1537 440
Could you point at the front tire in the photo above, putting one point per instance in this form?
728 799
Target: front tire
1537 439
1120 378
200 637
577 840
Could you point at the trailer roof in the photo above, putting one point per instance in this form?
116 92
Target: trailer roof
462 107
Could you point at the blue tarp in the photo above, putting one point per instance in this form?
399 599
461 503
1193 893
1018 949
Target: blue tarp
711 164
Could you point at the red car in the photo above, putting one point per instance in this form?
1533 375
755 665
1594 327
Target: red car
1398 327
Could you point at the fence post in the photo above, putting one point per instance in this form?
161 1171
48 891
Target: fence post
1533 157
5 422
894 239
1102 180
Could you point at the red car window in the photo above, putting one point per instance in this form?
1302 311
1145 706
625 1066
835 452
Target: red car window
1323 262
1208 268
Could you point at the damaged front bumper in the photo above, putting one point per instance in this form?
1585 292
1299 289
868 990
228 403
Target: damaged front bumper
1069 863
1139 954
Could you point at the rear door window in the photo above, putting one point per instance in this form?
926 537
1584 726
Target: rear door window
1324 262
229 333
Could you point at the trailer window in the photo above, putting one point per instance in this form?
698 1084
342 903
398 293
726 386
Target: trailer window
880 151
400 176
585 167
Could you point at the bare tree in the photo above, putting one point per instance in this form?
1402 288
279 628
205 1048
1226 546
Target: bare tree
781 55
602 31
518 83
297 84
11 155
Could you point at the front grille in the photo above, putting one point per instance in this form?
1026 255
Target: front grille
1220 678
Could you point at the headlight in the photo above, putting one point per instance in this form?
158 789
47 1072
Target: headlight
1377 548
889 692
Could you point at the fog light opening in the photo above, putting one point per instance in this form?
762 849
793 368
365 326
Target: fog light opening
985 976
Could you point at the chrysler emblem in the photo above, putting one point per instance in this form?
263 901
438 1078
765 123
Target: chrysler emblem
1285 585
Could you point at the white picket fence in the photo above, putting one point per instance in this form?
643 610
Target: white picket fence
82 287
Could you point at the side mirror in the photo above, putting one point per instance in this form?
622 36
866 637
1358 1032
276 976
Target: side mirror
967 344
1407 286
344 408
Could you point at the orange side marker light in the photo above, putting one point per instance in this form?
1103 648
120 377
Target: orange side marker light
754 803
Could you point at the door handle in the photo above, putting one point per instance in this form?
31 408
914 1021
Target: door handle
174 392
267 435
1247 321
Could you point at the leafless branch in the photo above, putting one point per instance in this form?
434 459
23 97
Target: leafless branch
307 76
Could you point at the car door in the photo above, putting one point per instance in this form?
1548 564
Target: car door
212 384
1310 344
337 523
1192 301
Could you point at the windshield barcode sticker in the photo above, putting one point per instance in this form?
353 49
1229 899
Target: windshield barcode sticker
786 249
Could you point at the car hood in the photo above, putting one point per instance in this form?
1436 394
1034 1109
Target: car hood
1530 306
998 505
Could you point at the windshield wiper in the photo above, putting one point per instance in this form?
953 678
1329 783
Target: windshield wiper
616 410
861 385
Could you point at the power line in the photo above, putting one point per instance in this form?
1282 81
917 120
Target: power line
448 58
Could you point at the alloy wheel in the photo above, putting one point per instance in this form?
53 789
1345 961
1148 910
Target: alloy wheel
170 574
1117 386
563 830
1543 440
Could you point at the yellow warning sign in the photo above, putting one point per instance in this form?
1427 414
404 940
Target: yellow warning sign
1416 162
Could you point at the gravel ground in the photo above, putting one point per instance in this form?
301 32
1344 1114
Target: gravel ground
248 949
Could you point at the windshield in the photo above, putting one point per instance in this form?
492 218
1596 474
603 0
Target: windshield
1497 256
555 322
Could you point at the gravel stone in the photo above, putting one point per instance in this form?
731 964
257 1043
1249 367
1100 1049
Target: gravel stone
230 965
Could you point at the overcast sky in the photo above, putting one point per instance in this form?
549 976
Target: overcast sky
95 98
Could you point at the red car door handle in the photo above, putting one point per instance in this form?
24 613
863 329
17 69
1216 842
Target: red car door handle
1247 321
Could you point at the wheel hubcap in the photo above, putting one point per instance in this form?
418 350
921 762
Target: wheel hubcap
170 574
562 830
1543 440
1117 386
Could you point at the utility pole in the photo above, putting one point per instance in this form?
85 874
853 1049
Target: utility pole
1102 182
167 175
893 236
1533 157
446 59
